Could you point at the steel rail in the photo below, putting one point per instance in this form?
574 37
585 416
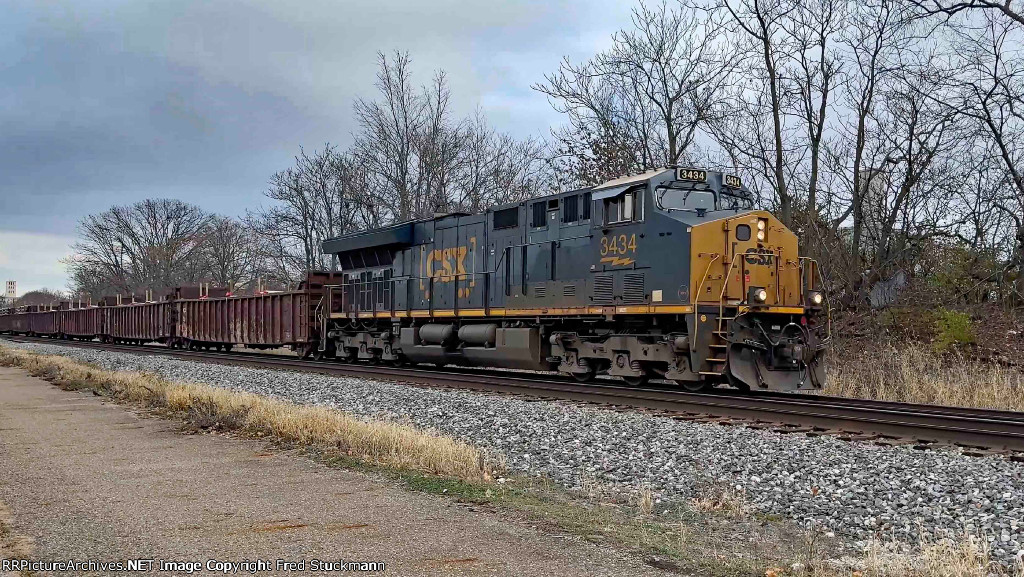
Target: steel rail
924 424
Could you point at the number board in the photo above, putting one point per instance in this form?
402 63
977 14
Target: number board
732 181
691 174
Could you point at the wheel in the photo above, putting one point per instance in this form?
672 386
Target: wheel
319 355
227 348
694 386
586 377
637 381
398 362
440 365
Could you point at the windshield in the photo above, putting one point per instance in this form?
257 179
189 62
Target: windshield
678 199
735 199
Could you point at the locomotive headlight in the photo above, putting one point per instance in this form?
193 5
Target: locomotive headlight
757 295
816 298
760 235
761 225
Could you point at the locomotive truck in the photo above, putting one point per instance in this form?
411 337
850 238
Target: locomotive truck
667 274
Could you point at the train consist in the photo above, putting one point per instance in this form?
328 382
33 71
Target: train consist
669 274
186 318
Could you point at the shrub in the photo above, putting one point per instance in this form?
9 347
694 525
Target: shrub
952 328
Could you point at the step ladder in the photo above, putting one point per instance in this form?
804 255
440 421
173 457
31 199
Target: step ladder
719 347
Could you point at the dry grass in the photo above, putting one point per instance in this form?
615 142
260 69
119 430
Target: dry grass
914 373
379 442
12 545
644 500
723 500
964 557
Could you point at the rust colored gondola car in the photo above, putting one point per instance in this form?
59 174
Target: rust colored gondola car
19 324
44 323
260 321
81 323
139 323
6 321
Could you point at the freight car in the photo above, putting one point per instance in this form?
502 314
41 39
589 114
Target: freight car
668 274
187 317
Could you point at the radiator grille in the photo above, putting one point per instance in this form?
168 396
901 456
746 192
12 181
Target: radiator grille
569 290
540 291
604 289
633 288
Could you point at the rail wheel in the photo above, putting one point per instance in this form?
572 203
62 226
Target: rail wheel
587 377
694 386
227 348
637 381
398 362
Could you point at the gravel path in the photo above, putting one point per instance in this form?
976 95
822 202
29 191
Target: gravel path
857 490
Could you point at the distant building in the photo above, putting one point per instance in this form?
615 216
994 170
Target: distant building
11 294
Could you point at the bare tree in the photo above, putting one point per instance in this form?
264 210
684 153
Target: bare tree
951 8
761 25
229 253
641 103
992 84
815 72
878 33
43 296
150 245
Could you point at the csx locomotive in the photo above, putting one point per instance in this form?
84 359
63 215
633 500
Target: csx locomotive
668 274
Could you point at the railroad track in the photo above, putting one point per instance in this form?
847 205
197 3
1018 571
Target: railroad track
978 431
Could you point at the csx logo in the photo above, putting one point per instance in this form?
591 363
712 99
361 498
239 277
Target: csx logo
759 256
445 263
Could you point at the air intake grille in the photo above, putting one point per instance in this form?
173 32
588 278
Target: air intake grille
633 288
569 290
604 289
540 291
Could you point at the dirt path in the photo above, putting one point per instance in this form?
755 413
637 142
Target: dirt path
88 480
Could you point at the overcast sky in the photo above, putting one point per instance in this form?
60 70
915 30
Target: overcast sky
110 102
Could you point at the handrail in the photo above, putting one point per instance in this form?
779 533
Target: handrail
725 288
715 256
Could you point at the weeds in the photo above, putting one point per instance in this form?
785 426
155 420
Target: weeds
722 500
967 556
914 373
208 407
952 328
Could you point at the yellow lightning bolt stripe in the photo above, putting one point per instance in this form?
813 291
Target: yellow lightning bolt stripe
616 261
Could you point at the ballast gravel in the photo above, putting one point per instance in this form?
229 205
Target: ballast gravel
857 490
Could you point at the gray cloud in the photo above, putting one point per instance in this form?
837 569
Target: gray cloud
106 103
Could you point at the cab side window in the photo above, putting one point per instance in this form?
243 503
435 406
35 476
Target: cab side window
621 208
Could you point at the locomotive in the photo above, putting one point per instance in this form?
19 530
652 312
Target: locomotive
668 274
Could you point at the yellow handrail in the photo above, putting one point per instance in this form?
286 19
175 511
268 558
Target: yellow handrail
714 256
725 287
